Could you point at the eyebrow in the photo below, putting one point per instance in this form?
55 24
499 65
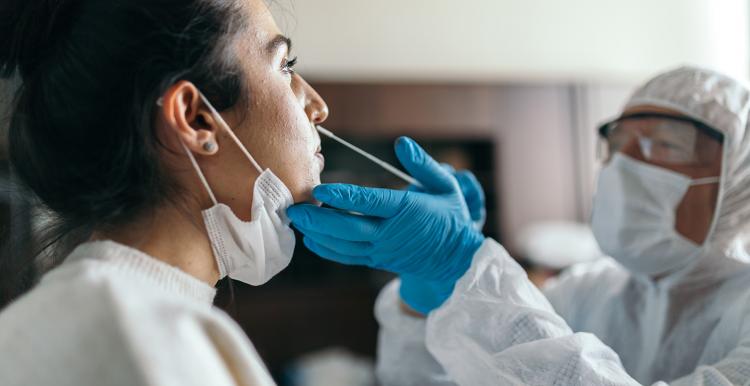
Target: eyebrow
278 41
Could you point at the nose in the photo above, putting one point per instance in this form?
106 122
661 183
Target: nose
315 107
632 148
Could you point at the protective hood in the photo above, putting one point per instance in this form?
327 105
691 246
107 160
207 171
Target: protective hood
722 103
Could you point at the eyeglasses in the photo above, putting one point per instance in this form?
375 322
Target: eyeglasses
662 139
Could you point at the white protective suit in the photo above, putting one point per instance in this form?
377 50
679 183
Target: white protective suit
598 324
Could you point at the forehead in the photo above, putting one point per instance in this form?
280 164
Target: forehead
654 125
260 27
651 109
645 109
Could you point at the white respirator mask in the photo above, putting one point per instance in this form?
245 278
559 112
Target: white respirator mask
249 251
634 213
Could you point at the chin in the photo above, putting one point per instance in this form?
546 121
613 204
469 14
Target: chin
303 192
306 197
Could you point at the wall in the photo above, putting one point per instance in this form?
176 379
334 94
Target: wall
498 40
591 104
531 126
584 56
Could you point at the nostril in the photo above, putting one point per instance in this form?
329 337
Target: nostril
321 113
317 117
313 114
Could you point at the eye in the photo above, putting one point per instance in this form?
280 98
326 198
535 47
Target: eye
671 152
669 146
288 65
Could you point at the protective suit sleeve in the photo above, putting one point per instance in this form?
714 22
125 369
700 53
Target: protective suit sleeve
498 329
734 367
403 359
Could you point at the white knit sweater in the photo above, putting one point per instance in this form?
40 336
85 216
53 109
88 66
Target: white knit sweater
112 315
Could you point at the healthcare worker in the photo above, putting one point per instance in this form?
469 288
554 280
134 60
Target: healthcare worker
167 138
671 305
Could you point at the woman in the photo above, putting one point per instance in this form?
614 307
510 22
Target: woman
172 135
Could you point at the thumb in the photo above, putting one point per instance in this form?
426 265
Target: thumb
473 194
368 201
424 168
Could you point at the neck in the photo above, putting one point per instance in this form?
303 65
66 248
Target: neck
172 235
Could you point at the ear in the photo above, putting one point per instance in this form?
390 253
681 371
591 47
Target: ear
188 119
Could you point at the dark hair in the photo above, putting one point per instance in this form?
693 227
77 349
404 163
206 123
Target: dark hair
81 134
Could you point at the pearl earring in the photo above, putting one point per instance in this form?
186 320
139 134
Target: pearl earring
209 146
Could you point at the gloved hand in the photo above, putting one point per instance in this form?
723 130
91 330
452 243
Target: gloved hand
473 194
426 237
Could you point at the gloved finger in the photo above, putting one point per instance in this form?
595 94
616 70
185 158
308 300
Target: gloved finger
424 168
414 188
329 254
369 201
340 246
448 167
473 194
335 223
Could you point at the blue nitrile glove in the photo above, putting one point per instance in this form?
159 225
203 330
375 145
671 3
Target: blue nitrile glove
473 194
426 237
426 295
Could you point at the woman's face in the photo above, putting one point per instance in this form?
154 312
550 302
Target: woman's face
275 124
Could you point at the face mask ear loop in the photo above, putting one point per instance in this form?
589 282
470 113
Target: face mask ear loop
705 181
200 173
229 131
159 102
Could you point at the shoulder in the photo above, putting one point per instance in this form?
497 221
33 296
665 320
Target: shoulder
96 321
738 314
89 292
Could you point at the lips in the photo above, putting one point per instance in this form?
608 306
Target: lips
319 149
321 160
319 155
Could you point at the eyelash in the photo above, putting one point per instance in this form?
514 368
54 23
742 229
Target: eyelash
289 65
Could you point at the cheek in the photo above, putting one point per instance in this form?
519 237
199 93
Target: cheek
286 142
695 213
700 198
299 169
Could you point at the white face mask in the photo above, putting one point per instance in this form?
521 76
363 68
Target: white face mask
252 252
634 212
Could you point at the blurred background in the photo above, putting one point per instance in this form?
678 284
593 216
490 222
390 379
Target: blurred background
511 90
